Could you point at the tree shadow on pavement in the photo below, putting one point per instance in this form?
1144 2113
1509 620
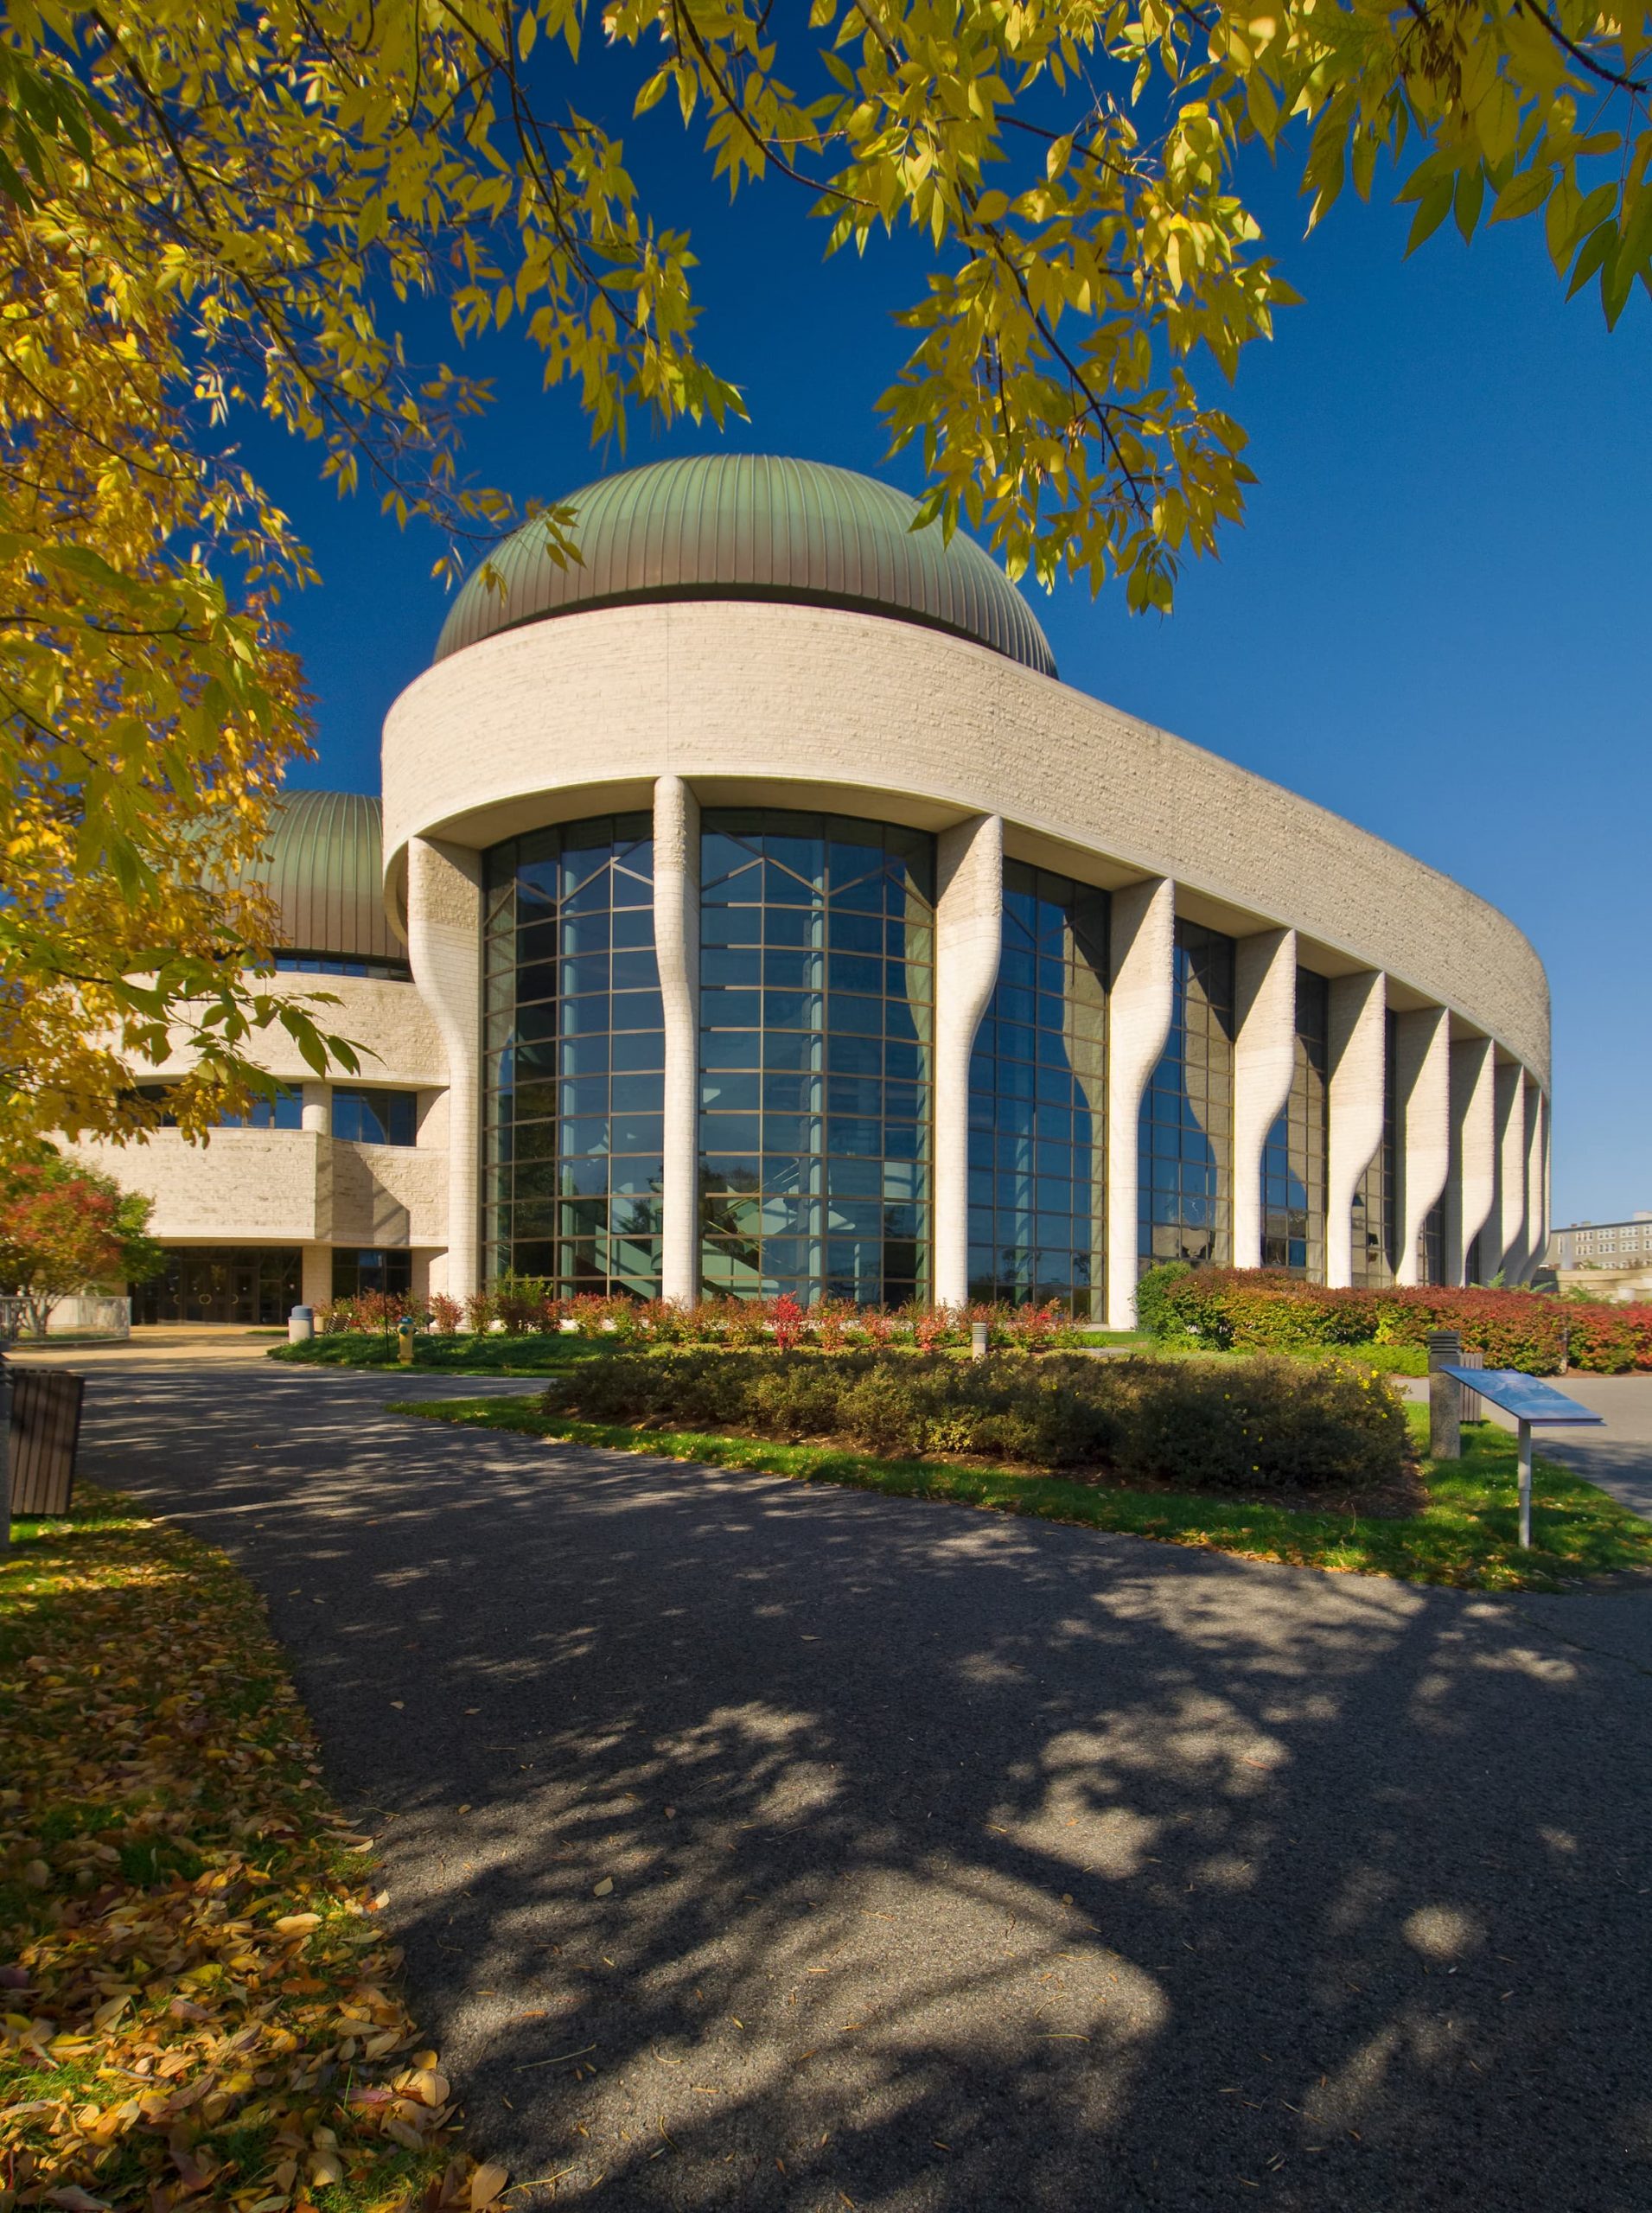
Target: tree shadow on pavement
955 1862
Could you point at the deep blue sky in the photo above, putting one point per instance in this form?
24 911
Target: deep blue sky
1435 620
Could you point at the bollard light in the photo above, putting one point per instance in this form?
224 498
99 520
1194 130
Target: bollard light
1445 1396
978 1337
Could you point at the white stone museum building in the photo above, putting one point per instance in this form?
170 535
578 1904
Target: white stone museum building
751 908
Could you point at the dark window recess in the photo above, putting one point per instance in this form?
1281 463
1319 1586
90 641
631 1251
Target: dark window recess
359 1269
1185 1209
1374 1244
1038 1110
1431 1244
221 1283
1294 1154
284 1112
327 963
376 1117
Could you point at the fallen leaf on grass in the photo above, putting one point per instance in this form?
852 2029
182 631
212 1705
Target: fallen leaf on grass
180 1862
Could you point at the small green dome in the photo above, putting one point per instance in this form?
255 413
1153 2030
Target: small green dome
324 867
751 526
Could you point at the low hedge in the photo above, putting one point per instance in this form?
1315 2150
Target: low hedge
1260 1424
1250 1310
525 1306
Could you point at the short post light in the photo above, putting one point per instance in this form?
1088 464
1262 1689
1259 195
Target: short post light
1445 1396
979 1332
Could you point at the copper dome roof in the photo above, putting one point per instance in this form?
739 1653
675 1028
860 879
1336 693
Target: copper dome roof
751 526
324 867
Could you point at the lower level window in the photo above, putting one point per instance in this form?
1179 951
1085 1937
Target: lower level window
375 1268
376 1117
222 1283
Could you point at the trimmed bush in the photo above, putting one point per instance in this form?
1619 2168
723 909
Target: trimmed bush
1260 1425
1259 1310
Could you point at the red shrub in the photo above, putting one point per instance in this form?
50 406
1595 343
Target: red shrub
1258 1309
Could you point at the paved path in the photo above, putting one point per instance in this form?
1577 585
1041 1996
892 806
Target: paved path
956 1863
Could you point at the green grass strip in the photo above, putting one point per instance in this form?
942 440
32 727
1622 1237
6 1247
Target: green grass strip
1467 1536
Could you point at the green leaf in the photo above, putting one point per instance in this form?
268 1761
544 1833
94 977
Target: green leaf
1431 210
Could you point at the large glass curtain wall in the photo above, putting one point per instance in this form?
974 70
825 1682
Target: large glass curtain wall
575 1059
1184 1205
1038 1100
1293 1155
817 1000
1374 1243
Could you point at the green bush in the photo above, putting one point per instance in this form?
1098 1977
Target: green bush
1257 1424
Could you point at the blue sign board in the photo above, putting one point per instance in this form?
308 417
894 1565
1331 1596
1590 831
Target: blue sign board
1524 1397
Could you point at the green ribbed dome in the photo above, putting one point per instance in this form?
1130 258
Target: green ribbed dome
324 867
751 526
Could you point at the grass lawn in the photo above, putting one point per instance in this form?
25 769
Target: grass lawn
199 2001
1467 1535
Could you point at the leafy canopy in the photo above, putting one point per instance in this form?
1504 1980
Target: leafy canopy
66 1229
214 208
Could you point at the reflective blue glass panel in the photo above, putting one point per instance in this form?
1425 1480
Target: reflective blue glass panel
816 1010
1294 1153
574 1074
1038 1100
1185 1141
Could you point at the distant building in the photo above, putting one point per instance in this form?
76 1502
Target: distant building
1606 1259
1602 1244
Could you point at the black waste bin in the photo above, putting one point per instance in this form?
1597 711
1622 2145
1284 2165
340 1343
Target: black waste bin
45 1431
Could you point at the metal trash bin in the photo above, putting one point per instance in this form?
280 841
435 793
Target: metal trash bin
45 1434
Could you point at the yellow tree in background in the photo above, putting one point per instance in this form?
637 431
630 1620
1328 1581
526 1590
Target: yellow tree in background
212 208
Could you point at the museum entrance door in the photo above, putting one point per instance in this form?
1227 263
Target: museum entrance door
222 1283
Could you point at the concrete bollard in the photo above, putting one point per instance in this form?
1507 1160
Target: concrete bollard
301 1325
1445 1396
978 1337
405 1335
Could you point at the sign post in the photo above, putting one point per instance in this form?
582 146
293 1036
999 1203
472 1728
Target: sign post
1532 1404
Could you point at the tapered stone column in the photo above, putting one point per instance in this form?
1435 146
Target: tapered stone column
1423 1112
1357 1053
444 949
969 933
1535 1176
1472 1190
316 1279
677 945
1139 1006
1265 1052
1509 1123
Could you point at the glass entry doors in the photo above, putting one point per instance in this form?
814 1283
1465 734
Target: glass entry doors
222 1283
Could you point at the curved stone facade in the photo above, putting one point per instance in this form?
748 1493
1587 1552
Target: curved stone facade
760 944
688 709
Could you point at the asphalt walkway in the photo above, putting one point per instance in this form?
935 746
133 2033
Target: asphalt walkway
762 1846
